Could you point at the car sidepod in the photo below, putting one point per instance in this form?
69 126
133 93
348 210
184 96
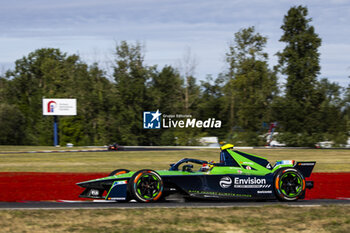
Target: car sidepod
223 187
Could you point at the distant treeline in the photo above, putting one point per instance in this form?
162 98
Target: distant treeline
246 97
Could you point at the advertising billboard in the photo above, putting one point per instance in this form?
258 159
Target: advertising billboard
59 107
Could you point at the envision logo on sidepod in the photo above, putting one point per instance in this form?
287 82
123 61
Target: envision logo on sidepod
225 182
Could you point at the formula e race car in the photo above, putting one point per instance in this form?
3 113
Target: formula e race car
239 175
115 147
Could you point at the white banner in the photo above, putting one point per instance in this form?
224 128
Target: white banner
60 107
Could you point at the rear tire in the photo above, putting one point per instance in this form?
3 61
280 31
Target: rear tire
146 186
289 184
118 172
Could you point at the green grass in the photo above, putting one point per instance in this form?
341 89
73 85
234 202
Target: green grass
232 219
327 160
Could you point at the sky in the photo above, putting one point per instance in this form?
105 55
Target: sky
168 29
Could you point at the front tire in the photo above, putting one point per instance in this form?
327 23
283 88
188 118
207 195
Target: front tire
289 184
146 186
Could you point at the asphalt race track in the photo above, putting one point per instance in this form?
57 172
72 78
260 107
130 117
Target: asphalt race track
123 148
168 204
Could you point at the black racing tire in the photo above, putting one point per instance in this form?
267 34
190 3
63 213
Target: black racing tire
118 172
146 186
289 184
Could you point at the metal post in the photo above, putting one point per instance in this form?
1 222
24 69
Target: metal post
55 137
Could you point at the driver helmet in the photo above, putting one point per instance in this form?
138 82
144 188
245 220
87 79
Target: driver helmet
205 167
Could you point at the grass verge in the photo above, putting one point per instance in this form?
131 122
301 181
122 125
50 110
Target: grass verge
327 160
243 219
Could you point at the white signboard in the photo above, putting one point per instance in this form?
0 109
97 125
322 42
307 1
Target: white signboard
59 107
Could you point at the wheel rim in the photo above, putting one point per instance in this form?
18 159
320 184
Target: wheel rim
291 184
148 186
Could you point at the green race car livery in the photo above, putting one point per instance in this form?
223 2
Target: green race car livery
237 176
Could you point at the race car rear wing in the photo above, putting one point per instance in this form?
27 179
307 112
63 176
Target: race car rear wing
305 168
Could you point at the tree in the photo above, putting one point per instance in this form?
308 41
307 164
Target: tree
165 91
35 76
52 74
347 108
187 67
131 79
298 111
11 124
333 122
251 85
212 104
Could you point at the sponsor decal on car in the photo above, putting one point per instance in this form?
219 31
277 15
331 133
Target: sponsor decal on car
249 163
213 194
94 192
225 182
306 164
250 180
250 183
264 191
117 198
120 182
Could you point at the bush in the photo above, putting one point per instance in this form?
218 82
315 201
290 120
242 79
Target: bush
12 124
